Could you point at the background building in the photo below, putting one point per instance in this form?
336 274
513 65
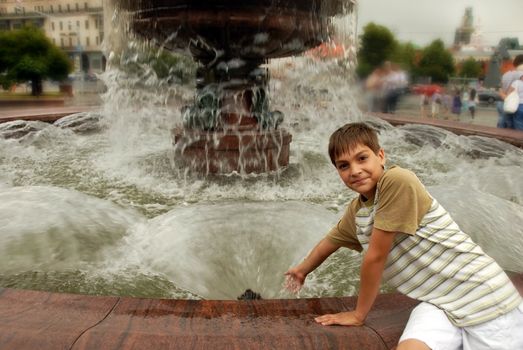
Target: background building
463 34
75 26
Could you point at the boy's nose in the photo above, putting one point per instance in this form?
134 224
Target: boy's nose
355 170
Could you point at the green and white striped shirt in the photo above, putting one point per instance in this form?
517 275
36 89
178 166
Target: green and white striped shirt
438 263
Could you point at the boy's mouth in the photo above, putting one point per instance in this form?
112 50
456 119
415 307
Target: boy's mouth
358 182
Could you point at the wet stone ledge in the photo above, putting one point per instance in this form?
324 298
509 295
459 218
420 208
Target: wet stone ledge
42 320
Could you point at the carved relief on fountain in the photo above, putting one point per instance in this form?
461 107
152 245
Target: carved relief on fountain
230 126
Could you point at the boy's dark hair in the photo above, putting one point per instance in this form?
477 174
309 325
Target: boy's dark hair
518 60
348 136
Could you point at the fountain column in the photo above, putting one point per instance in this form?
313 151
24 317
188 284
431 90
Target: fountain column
230 126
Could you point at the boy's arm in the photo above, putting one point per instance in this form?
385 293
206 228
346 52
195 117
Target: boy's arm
296 275
371 271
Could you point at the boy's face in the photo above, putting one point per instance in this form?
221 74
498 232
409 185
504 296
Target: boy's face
361 168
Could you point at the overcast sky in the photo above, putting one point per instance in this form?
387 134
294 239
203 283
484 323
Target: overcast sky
422 21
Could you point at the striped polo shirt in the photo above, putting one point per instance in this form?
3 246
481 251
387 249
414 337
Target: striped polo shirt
436 262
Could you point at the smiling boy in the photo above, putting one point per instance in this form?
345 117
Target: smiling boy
467 300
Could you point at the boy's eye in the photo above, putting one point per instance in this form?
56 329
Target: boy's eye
363 157
343 166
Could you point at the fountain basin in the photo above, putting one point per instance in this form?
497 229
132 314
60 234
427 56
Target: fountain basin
253 30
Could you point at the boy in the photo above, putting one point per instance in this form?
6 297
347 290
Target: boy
467 301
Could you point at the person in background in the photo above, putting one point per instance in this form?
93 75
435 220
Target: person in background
517 86
436 104
506 120
464 100
374 91
447 104
472 102
456 104
424 104
395 83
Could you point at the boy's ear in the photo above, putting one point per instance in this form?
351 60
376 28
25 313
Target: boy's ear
381 155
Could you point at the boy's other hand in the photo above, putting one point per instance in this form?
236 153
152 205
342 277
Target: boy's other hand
294 280
350 318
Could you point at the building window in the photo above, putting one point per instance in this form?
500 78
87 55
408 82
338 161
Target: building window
68 8
77 7
51 8
61 26
97 41
98 23
78 25
62 42
69 26
86 24
86 6
70 42
52 26
96 63
59 8
87 42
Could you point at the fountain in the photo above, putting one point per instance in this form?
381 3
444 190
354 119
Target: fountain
96 225
230 126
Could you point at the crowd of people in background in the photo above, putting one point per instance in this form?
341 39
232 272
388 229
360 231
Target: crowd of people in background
384 87
388 82
454 101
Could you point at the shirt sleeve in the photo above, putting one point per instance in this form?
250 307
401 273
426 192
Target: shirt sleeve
403 201
344 233
516 84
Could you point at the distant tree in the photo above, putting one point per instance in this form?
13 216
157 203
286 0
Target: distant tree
405 56
436 62
28 55
377 45
470 68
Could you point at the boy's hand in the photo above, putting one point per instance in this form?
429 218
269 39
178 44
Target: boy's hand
350 318
294 280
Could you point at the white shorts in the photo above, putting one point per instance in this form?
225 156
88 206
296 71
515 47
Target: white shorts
430 325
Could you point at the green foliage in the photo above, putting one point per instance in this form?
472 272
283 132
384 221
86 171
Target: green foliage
436 62
470 68
27 54
377 45
405 56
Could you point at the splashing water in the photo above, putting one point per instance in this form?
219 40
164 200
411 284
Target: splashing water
110 212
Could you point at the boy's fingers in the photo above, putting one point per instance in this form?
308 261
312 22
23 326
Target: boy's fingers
323 318
326 320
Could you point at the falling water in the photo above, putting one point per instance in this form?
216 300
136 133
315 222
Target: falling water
109 211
